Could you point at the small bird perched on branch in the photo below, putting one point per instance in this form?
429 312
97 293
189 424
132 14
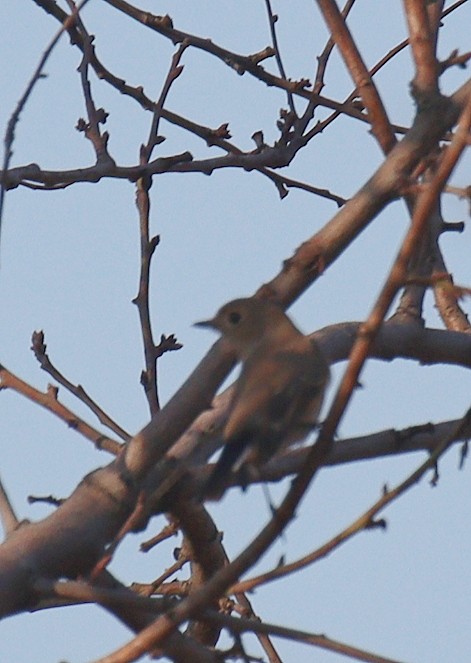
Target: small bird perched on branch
280 390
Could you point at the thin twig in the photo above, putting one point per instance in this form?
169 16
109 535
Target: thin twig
323 58
13 121
174 72
49 401
241 63
241 625
272 20
39 348
96 117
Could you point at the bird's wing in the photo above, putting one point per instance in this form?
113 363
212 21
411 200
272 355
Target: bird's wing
276 403
277 394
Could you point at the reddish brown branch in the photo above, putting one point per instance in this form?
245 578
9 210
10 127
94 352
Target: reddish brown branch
422 38
49 401
365 87
8 517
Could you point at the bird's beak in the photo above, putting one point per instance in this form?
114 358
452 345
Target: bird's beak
211 324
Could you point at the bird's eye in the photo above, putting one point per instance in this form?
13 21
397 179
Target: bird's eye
234 317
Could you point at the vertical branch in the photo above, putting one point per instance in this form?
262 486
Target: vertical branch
96 116
435 12
423 39
148 245
444 291
447 304
273 18
412 298
428 267
149 376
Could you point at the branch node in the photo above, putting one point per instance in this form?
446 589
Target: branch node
167 344
52 391
455 227
436 476
380 523
463 454
153 244
267 52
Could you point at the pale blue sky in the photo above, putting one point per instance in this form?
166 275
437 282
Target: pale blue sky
69 266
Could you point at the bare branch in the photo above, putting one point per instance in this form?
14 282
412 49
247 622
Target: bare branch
272 19
423 44
13 121
380 125
39 348
323 58
49 401
321 641
149 376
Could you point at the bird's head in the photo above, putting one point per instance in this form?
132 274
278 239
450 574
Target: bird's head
246 322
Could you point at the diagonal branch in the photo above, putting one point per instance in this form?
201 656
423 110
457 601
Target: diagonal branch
39 348
365 87
49 401
67 24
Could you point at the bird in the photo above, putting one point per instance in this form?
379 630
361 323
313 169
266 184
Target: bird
279 393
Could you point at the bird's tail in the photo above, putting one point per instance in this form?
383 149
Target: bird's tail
215 485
